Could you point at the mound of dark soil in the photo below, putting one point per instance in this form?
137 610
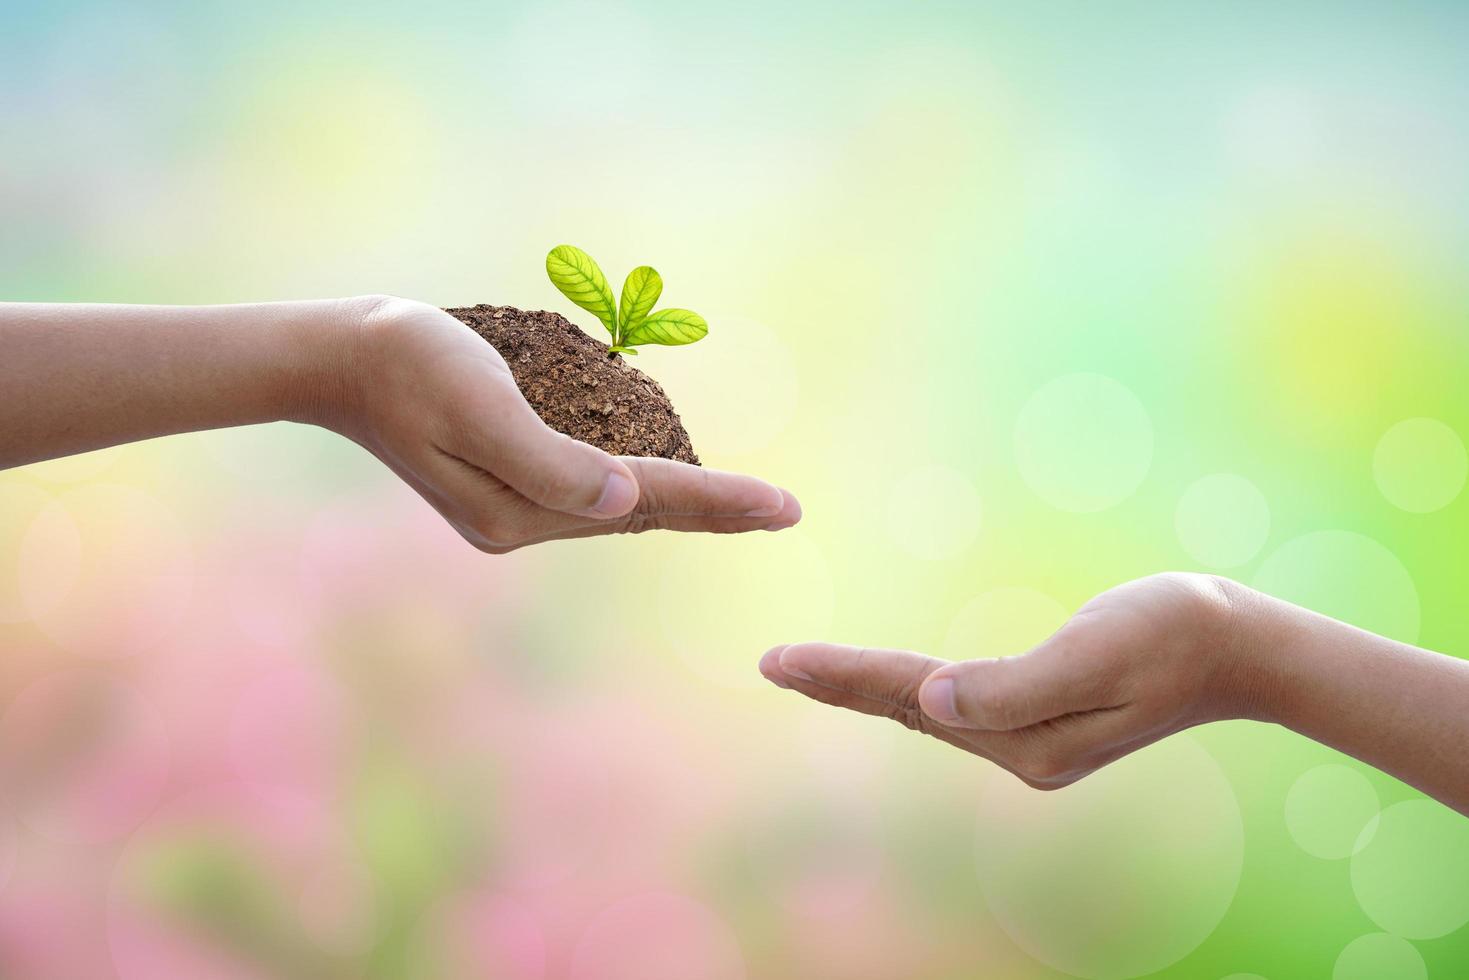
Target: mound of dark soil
577 388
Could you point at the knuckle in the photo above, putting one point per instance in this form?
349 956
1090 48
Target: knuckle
658 496
634 523
904 715
906 693
637 523
652 499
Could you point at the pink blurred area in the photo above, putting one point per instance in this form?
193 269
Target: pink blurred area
321 763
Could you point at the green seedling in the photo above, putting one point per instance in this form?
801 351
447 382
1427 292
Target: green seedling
632 323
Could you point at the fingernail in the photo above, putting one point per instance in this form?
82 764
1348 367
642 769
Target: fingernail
936 698
769 510
780 525
619 495
795 672
794 503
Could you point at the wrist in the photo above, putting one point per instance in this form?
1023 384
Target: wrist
324 350
1252 643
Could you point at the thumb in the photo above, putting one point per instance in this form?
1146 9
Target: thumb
546 467
1012 692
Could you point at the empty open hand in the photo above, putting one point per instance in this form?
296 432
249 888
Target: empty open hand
1151 658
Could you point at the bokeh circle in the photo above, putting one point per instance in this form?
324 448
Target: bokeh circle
1154 838
1379 956
1410 878
1083 442
933 512
1420 465
1222 520
1001 623
1327 810
1347 576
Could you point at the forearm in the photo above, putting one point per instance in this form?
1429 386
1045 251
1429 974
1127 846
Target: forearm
79 377
1397 707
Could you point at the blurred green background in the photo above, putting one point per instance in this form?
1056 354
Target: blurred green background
1022 301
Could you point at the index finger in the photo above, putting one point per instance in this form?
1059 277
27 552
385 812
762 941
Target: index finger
668 488
670 495
680 497
891 677
883 683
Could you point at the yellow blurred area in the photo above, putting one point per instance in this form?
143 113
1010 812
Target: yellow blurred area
1337 326
319 143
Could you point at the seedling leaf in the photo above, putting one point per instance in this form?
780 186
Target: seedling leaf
639 292
581 281
669 327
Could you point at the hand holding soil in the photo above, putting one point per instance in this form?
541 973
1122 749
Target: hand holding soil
442 408
416 387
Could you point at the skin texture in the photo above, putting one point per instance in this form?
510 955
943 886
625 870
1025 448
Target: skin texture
405 380
1153 657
